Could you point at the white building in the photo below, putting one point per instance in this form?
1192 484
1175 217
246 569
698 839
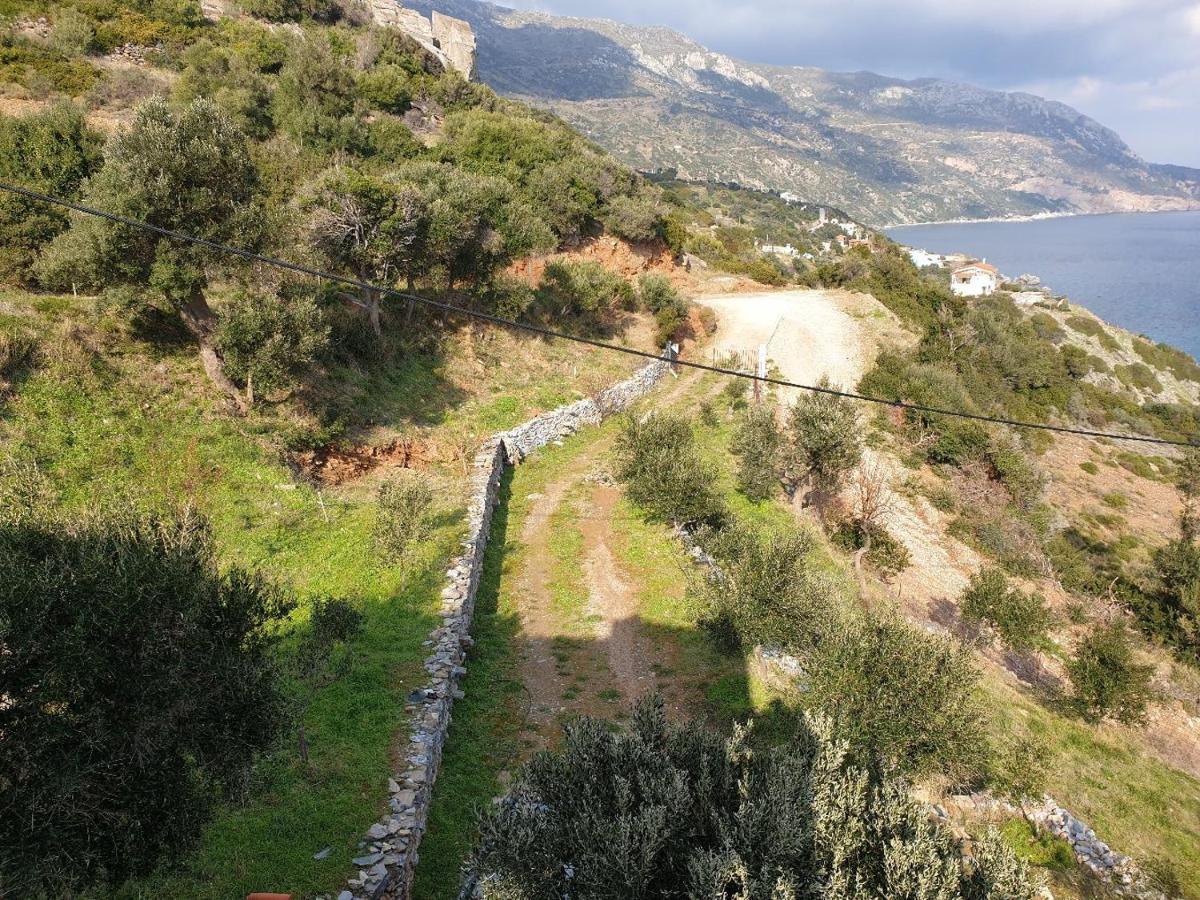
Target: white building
923 258
975 279
779 249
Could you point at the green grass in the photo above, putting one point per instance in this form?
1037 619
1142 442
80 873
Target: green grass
108 419
1135 803
101 436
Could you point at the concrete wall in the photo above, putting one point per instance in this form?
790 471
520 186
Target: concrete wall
388 855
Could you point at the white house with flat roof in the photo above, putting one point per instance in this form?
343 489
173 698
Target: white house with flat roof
976 279
923 258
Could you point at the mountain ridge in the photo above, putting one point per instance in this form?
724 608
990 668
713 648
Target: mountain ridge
890 150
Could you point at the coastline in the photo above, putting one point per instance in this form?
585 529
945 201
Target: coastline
1036 217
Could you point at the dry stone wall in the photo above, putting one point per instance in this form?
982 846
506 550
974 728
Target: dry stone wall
388 854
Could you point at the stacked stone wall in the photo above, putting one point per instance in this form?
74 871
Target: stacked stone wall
389 852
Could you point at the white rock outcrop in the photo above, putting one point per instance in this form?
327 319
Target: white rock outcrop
450 40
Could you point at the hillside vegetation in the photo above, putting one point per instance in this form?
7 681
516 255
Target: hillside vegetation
228 495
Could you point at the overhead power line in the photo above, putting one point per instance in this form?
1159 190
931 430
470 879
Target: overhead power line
559 335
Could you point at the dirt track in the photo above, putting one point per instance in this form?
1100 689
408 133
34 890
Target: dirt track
810 334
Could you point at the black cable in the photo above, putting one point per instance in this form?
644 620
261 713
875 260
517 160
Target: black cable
550 333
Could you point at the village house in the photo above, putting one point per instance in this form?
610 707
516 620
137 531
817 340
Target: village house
779 249
923 258
976 279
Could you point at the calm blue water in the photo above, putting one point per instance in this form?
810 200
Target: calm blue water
1138 270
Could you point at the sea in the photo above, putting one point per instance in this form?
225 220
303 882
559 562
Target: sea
1137 270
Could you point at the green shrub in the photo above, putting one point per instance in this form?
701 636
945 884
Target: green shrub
1086 325
292 10
827 436
268 338
1107 682
1164 356
659 296
663 472
401 516
634 218
897 693
43 71
138 683
1046 327
668 810
51 151
72 33
509 297
1090 467
1020 619
585 291
1138 375
1017 768
764 592
758 444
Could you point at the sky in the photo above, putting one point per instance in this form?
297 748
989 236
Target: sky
1134 65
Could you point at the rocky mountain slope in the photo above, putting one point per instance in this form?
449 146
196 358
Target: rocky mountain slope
887 150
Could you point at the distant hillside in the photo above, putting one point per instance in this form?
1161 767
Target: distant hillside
887 150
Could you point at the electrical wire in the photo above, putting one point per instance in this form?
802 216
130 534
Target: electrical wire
559 335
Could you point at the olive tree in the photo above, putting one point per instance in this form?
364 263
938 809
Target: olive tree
899 694
139 681
663 471
1020 619
676 811
372 228
268 337
1107 681
758 445
188 170
827 437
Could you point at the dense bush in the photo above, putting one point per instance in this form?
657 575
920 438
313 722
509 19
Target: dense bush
1020 619
663 471
401 516
670 310
900 694
584 292
765 590
675 811
138 683
758 444
1107 682
1170 608
51 151
827 436
635 218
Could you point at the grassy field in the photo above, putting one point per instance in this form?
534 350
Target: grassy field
105 419
1136 803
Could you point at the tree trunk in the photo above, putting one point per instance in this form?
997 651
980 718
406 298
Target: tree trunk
370 300
201 321
859 576
249 390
